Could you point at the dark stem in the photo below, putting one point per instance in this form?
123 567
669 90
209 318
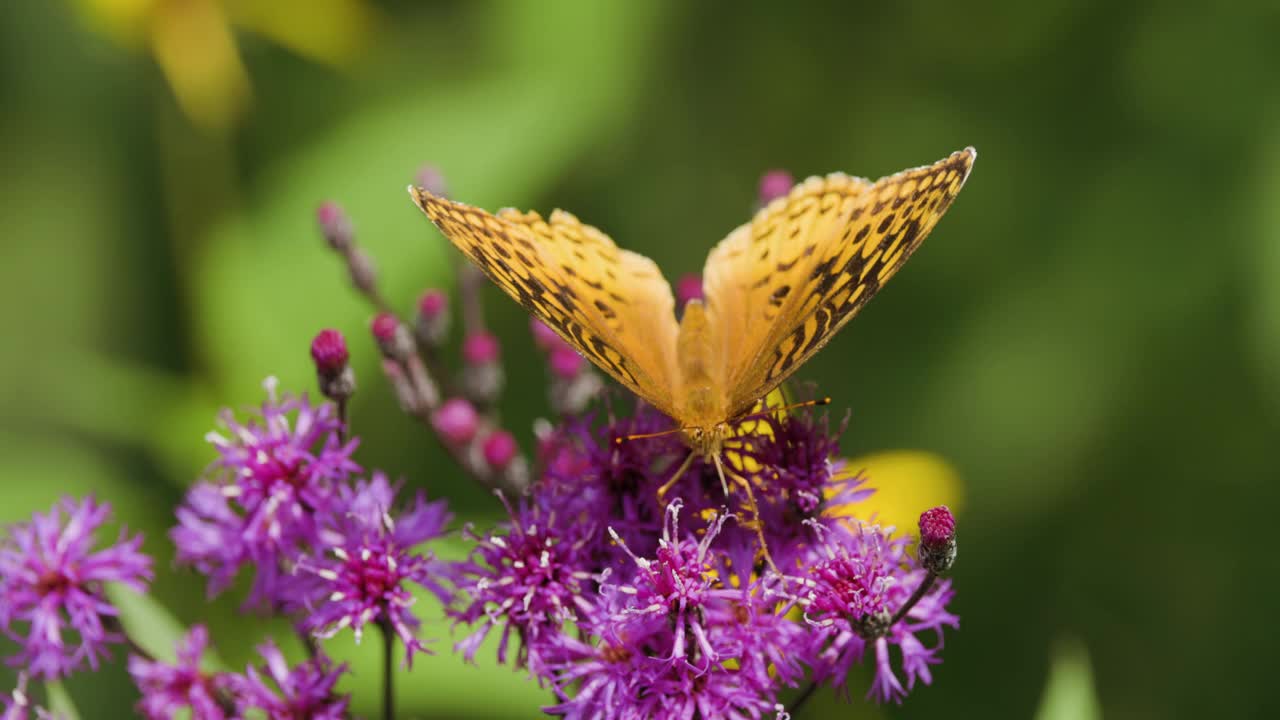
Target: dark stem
111 623
388 689
470 285
308 641
804 697
915 598
344 432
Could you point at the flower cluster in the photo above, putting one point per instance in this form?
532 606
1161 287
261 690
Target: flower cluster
625 604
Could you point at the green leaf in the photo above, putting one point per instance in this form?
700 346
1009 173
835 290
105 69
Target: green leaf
153 627
1069 694
59 701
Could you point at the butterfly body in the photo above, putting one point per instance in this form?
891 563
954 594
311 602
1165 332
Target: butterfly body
777 288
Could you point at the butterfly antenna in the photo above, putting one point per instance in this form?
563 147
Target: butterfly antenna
820 402
752 506
627 438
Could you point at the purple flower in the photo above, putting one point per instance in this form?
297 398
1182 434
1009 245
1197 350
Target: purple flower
526 578
675 641
275 476
52 581
852 593
305 691
170 690
368 563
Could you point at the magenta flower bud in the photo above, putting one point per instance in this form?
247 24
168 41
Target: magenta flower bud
384 327
335 377
688 288
543 336
456 420
566 363
432 325
499 449
775 184
481 348
335 225
433 303
430 178
393 338
329 351
937 539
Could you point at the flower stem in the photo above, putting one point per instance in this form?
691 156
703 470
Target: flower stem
803 698
388 670
915 598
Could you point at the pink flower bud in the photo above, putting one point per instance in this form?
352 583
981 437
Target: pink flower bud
543 336
433 303
329 351
566 363
688 288
456 421
499 449
334 224
775 184
481 348
430 178
937 539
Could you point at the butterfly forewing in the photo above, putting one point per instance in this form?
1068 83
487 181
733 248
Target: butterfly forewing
613 306
779 288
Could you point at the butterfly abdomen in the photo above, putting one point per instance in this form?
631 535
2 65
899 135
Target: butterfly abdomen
695 360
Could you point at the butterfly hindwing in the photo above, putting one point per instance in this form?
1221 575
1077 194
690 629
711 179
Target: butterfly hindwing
611 305
779 287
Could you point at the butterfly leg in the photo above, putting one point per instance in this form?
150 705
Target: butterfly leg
751 505
662 491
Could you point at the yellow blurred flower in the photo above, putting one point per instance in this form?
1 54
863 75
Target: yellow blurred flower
906 483
193 42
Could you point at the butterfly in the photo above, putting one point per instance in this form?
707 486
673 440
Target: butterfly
776 289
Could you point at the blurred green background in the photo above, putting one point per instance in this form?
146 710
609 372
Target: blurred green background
1092 335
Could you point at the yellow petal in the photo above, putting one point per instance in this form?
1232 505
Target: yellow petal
907 482
193 43
328 31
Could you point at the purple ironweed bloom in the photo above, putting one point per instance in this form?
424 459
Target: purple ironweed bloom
275 476
527 578
305 691
170 690
675 641
851 594
368 563
51 580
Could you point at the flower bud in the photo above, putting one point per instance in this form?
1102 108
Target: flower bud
393 338
688 288
543 336
457 421
937 540
336 378
335 225
499 449
482 375
432 324
430 178
774 184
566 363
